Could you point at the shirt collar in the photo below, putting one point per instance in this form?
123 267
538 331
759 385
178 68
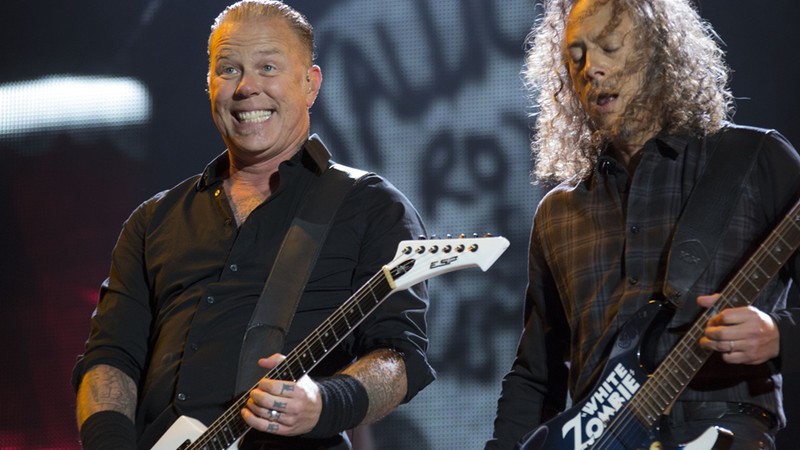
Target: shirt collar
671 145
313 155
668 145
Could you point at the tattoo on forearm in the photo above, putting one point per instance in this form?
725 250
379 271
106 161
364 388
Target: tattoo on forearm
106 388
383 375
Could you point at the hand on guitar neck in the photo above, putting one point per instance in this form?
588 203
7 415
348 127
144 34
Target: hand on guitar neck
744 334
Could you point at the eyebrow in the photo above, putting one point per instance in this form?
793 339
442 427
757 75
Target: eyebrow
224 52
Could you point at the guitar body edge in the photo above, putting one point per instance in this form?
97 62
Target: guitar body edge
714 438
588 424
184 430
580 426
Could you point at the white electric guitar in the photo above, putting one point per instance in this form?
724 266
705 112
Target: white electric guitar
414 262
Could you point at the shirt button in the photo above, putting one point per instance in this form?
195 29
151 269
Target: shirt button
234 268
217 192
634 229
210 299
633 281
194 347
181 396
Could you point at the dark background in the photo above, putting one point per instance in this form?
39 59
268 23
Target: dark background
427 93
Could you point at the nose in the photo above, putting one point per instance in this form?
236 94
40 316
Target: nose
594 69
247 86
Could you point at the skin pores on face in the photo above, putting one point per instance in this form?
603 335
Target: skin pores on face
261 87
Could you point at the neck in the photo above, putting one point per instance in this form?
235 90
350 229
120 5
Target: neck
247 189
258 177
628 148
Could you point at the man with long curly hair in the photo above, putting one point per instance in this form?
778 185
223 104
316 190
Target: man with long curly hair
631 104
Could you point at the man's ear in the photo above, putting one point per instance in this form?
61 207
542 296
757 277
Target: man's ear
314 81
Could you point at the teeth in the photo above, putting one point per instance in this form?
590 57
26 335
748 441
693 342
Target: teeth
605 98
253 116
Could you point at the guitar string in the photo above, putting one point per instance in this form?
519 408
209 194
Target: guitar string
730 296
231 419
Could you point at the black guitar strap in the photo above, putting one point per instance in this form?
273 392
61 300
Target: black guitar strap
297 255
708 211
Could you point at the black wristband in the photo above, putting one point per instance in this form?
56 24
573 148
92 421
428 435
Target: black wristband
108 429
344 405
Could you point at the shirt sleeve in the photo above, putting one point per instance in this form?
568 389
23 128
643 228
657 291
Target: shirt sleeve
779 177
399 323
120 323
535 388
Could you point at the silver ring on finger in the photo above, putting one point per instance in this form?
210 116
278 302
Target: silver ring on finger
731 349
273 415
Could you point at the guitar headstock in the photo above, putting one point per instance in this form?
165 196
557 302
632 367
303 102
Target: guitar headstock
418 260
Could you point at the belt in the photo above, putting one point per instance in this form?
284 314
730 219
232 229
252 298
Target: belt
716 410
748 409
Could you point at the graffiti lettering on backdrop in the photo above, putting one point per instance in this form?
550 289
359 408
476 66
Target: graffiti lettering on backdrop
430 95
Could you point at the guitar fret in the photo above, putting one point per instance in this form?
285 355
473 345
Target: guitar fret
375 297
318 347
678 370
785 244
684 358
228 435
669 381
345 318
302 369
771 253
216 444
649 410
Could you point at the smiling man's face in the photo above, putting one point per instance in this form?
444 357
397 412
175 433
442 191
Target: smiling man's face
261 85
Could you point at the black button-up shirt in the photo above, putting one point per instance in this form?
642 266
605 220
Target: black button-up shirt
184 281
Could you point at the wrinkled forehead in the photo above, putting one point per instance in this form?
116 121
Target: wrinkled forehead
258 29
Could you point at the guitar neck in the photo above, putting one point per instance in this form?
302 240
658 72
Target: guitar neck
230 426
681 364
414 262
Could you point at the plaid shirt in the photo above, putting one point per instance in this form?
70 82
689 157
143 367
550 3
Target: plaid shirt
599 252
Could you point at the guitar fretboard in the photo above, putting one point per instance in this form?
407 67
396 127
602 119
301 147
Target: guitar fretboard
230 426
685 360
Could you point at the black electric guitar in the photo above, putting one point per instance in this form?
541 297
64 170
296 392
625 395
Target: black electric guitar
414 262
623 409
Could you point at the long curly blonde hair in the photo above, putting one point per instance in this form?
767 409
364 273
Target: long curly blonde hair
687 83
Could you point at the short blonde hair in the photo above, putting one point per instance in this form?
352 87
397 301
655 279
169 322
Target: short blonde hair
267 9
